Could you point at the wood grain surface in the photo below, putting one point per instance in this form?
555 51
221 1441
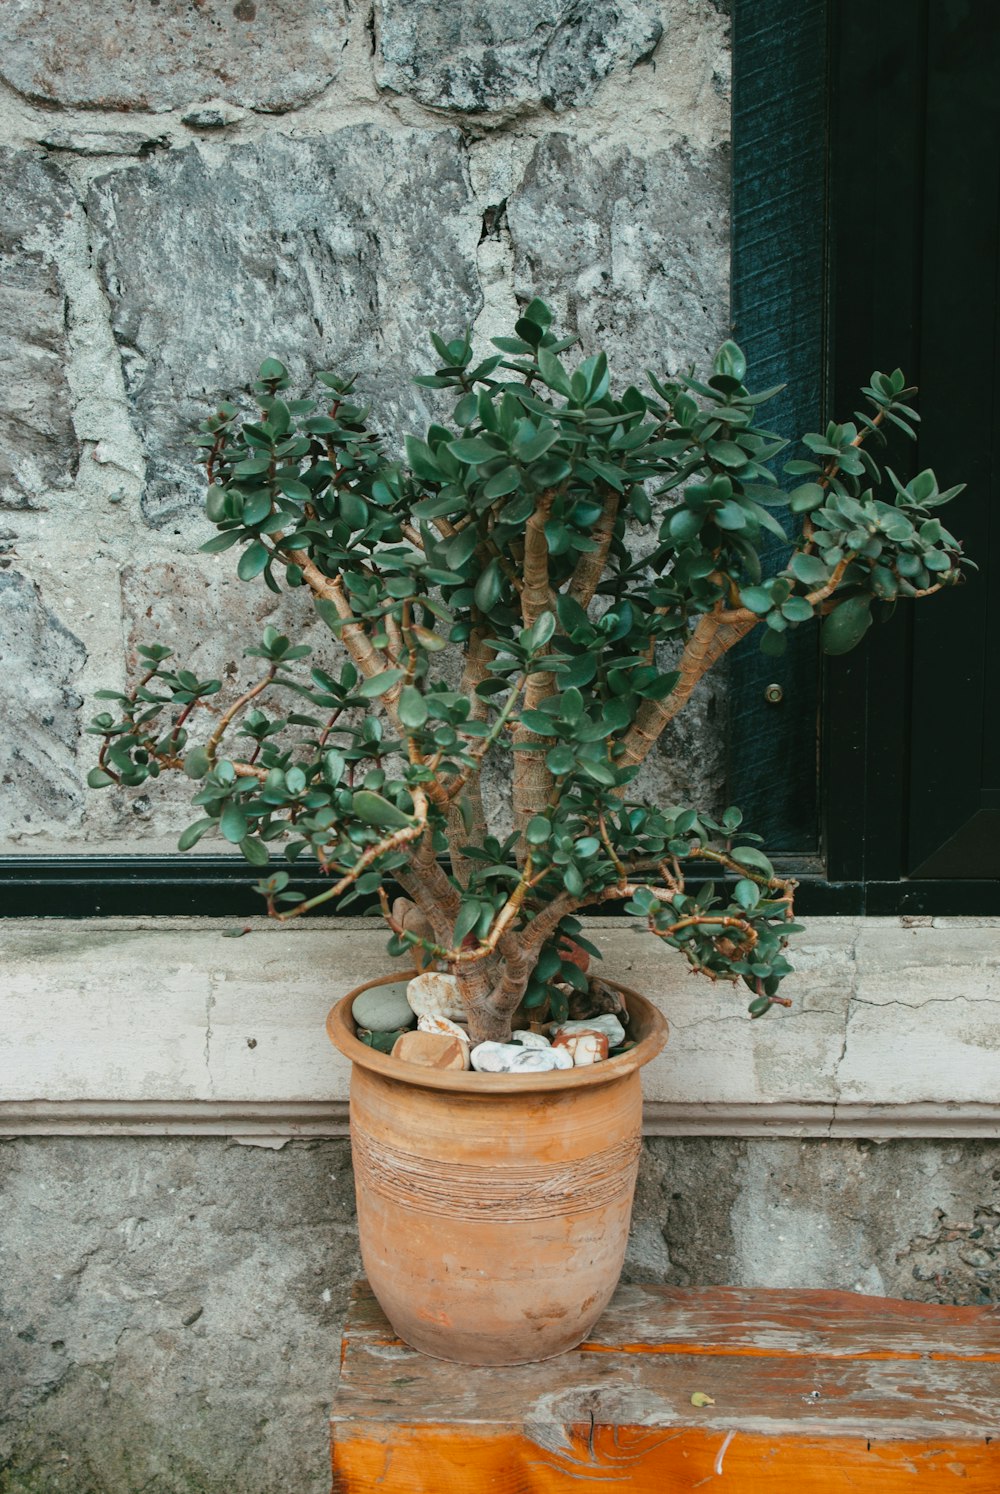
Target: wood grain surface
814 1392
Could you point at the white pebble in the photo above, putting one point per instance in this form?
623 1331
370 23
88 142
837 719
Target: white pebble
529 1039
584 1047
540 1060
511 1058
435 994
494 1058
606 1023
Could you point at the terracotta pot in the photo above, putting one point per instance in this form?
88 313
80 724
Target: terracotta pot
494 1208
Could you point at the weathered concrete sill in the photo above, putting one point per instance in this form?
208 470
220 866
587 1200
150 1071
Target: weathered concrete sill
164 1027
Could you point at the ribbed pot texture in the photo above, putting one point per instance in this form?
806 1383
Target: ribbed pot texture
494 1209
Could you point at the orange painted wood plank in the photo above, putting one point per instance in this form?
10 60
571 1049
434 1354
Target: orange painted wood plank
813 1392
639 1460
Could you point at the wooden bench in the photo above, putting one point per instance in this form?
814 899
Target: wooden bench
813 1392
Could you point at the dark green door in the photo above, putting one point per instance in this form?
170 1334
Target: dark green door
912 725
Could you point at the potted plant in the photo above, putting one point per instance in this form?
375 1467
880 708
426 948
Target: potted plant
543 581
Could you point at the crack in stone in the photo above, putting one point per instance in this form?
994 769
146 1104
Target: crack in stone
917 1006
852 996
795 1014
207 1051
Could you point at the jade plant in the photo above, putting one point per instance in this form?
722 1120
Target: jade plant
544 579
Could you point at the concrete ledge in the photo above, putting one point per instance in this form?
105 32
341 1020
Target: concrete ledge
164 1027
273 1123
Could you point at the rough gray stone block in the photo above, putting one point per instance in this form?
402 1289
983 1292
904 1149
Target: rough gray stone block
202 610
688 764
172 1315
475 57
270 55
333 253
913 1219
39 708
632 251
38 447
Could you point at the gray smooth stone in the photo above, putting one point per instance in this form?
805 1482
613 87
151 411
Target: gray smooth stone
384 1008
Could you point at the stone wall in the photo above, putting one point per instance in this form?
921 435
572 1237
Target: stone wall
189 188
170 1309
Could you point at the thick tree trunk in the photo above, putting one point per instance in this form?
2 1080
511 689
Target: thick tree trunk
491 991
714 635
487 1025
475 986
532 780
459 833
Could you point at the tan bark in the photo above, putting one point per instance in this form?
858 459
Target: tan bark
516 969
492 1006
590 567
458 833
369 659
487 1022
715 634
537 596
432 891
532 780
546 921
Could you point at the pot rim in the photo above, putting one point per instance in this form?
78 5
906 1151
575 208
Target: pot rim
341 1031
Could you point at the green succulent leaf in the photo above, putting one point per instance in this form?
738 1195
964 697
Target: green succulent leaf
466 919
541 632
730 361
254 851
378 684
191 836
538 830
252 561
809 569
412 708
196 763
488 587
749 856
747 894
757 598
845 627
233 823
373 809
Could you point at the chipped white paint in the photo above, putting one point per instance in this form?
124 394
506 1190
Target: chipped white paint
722 1450
160 1026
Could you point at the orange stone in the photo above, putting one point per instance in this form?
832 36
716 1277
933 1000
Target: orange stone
594 1044
432 1050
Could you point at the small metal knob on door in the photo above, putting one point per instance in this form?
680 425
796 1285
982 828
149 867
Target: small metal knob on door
774 694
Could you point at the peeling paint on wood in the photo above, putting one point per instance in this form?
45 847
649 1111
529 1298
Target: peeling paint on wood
814 1392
